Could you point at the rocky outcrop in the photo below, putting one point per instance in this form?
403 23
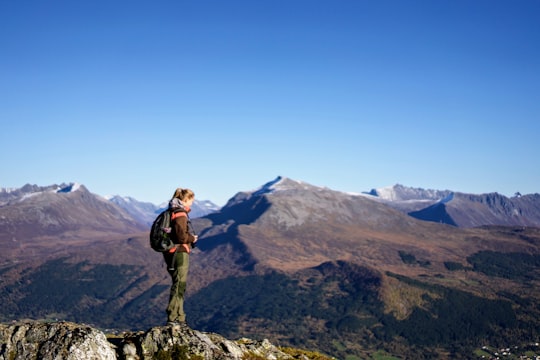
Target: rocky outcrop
60 341
70 341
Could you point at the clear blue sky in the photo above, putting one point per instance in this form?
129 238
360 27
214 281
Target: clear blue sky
136 98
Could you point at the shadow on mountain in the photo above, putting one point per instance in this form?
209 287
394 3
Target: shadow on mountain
84 292
284 301
243 212
434 213
242 257
243 208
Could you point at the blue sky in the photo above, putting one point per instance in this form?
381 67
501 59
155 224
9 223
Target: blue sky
136 98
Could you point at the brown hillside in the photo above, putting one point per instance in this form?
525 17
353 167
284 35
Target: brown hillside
296 226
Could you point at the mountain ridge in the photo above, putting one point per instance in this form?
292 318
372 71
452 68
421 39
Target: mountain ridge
303 211
293 228
446 206
296 262
461 209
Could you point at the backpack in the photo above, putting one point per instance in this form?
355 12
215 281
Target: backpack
160 232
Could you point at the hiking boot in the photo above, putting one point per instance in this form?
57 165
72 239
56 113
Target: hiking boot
177 324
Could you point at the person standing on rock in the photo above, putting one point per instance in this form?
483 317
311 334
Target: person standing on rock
177 259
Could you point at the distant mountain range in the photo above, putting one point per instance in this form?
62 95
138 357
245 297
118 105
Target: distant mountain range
142 212
146 212
442 206
463 210
346 274
34 220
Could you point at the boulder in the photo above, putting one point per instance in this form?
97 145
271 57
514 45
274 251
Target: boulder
185 342
71 341
59 341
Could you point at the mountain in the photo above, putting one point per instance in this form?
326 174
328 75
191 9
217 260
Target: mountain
202 208
462 210
345 274
329 270
35 221
321 224
465 210
146 212
13 195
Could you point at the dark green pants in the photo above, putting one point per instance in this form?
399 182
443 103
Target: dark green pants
177 266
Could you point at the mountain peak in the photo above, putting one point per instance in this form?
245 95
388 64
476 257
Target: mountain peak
30 191
269 187
281 183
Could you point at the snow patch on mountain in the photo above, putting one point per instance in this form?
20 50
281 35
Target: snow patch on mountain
55 189
447 199
387 193
7 190
27 196
118 198
402 193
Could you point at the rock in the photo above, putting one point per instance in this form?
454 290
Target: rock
59 341
189 343
70 341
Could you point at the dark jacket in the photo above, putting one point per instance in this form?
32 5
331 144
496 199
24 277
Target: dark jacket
181 228
182 232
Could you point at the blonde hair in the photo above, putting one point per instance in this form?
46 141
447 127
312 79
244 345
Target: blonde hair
183 194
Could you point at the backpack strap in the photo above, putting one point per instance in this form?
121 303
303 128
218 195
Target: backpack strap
178 214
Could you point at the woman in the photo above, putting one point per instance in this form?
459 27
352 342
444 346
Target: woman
177 258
